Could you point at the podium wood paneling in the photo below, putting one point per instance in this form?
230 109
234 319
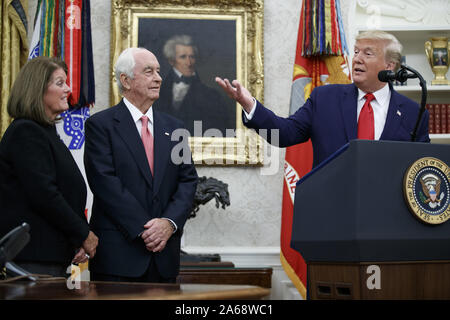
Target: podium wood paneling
398 280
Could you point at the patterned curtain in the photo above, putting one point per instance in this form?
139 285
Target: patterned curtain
13 50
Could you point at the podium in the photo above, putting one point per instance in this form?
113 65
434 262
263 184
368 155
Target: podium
356 233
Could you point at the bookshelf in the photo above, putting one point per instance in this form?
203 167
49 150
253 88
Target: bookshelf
414 23
417 89
443 138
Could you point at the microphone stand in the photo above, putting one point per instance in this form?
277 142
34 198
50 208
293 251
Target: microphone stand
403 75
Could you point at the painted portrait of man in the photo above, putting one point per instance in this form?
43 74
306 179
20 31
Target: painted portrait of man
192 52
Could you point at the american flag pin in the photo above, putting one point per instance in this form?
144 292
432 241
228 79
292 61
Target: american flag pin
399 113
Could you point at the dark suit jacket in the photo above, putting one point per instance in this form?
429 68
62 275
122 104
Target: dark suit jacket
329 118
40 184
201 103
126 196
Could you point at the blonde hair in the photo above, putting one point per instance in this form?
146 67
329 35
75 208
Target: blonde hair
392 48
26 99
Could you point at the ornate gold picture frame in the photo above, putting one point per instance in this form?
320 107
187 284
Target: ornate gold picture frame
229 33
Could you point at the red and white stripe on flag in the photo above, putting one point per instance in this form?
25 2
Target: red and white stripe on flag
72 47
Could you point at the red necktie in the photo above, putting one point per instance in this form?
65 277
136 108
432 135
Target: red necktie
366 126
147 140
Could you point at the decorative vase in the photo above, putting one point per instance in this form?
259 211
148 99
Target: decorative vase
438 52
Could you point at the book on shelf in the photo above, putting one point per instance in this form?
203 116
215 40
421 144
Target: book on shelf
439 121
430 108
437 118
444 128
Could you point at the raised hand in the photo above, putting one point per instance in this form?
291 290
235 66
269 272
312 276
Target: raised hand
237 92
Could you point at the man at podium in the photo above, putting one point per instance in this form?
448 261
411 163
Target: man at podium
335 114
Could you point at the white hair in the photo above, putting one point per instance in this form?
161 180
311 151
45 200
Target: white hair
184 40
392 48
124 65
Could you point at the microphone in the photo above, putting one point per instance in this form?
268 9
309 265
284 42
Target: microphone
13 242
10 245
386 75
401 75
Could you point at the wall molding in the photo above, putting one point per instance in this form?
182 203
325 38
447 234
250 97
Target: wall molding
411 12
242 256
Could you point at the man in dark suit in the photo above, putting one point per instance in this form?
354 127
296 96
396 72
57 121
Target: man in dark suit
331 117
142 198
184 96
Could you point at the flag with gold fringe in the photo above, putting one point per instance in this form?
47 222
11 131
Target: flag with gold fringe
13 50
320 59
62 28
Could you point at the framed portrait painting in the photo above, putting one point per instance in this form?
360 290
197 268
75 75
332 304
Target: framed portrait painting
195 41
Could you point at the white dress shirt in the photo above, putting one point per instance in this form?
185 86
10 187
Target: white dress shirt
249 116
136 114
380 106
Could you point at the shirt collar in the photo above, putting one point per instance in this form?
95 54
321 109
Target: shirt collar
381 95
136 114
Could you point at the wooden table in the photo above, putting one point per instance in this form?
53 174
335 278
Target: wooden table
224 273
98 290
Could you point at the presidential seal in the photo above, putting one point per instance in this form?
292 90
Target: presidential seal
426 189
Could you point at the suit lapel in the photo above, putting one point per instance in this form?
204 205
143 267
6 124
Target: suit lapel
126 129
162 150
349 111
394 117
